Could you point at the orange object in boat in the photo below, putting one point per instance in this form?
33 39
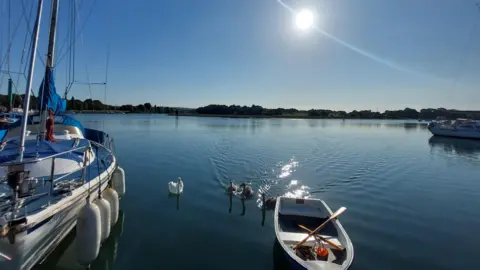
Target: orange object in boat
322 252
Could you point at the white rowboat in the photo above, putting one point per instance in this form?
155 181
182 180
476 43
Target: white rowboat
291 214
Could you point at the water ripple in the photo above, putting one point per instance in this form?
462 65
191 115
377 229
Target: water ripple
407 194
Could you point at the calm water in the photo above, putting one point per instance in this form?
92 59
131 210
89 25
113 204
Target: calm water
413 201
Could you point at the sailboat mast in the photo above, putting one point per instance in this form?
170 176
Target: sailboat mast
10 96
26 103
53 33
50 58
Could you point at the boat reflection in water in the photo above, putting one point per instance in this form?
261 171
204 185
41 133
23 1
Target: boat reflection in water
64 256
456 146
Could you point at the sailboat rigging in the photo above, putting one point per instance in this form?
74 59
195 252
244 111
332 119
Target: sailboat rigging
11 113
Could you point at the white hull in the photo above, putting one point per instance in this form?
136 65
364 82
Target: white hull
33 245
450 132
47 183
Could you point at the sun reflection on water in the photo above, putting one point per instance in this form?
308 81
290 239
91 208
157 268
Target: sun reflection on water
287 169
293 183
282 184
301 192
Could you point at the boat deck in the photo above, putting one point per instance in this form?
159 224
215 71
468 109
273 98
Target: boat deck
42 197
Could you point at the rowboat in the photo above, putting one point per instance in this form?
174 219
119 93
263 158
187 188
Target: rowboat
296 219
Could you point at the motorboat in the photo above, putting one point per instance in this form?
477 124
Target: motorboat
460 128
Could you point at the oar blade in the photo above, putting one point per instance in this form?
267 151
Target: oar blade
338 212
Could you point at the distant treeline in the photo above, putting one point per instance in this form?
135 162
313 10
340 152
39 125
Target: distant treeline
93 105
407 113
17 101
254 110
96 105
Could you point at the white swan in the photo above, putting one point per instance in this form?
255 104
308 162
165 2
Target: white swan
176 188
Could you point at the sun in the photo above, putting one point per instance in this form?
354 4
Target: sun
304 19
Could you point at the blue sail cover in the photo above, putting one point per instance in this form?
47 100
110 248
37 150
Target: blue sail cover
50 98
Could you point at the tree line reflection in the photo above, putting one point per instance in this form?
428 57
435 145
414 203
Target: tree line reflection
255 123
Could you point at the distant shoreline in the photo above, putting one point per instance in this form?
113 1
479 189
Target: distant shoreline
98 112
245 116
291 116
90 106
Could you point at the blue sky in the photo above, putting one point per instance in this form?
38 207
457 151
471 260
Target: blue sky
369 54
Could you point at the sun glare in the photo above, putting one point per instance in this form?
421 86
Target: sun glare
304 19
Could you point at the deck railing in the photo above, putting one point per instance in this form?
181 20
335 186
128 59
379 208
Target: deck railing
16 205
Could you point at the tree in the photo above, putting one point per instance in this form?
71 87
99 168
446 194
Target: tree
72 103
147 106
140 108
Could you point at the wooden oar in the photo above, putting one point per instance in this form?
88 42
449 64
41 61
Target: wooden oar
5 256
315 235
336 214
322 238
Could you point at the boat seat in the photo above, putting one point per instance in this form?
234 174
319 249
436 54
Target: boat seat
293 238
303 211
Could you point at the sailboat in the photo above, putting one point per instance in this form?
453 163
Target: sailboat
48 187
